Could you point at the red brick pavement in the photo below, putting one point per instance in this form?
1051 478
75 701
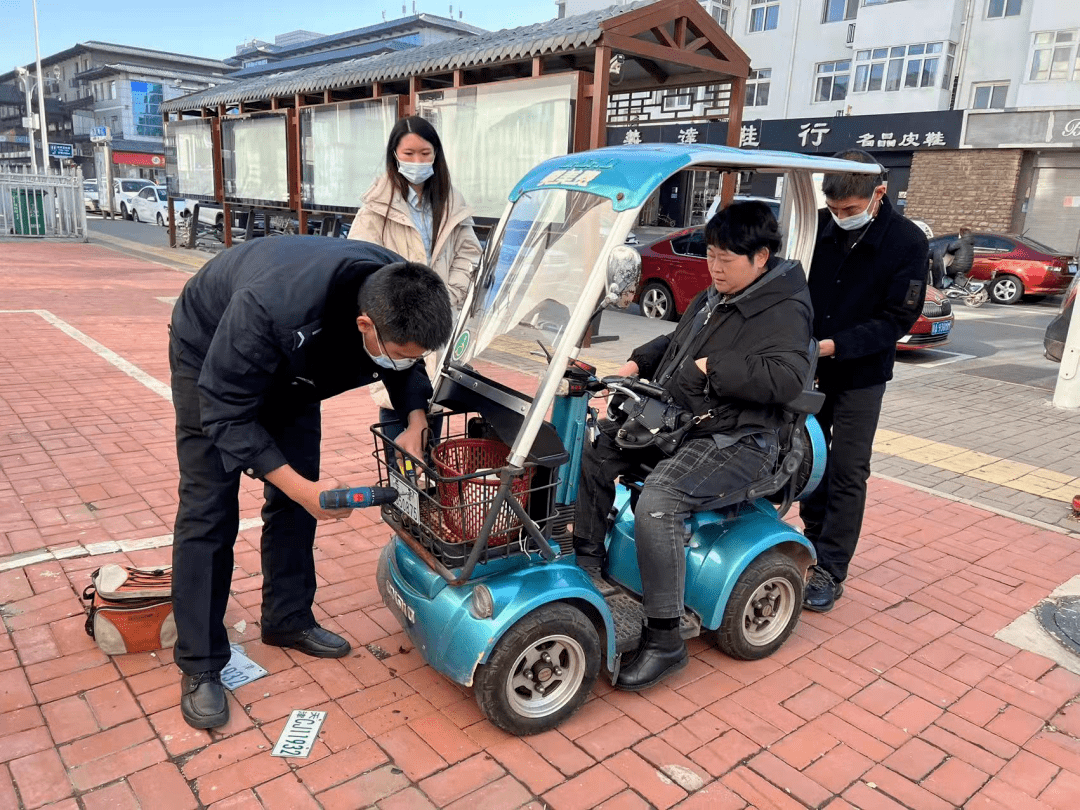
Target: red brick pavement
899 698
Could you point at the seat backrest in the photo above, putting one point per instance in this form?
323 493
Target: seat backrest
808 401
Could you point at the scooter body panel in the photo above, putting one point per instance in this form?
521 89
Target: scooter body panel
440 621
721 545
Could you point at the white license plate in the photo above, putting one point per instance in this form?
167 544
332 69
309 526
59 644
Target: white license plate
401 604
1072 269
941 328
240 670
299 734
408 500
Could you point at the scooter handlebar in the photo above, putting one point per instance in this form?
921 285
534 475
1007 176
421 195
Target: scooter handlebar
357 497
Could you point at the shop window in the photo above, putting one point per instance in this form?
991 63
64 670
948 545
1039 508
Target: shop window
1054 57
1002 8
838 10
764 15
757 87
989 96
832 80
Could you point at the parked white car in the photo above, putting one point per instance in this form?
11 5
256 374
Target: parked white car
124 191
151 205
209 213
90 195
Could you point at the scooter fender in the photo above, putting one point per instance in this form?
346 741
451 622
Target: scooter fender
442 626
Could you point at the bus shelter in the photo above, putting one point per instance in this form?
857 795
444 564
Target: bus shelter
308 142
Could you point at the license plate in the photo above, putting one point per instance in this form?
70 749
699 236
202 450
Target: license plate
408 500
299 734
1072 269
941 328
400 604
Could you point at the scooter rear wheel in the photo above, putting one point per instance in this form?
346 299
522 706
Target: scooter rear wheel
540 671
763 608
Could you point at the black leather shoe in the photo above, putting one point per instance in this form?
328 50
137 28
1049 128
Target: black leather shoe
315 641
822 591
593 566
662 653
202 700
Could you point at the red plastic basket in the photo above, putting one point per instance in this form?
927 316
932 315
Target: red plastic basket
466 504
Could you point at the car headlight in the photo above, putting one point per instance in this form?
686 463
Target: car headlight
482 605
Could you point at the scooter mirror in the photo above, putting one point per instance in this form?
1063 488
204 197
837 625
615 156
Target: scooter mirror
623 275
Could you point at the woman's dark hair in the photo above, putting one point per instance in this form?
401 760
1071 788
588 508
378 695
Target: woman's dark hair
408 303
744 228
860 186
437 189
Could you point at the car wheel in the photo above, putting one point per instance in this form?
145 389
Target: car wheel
160 220
135 215
763 608
657 302
1006 289
123 211
540 671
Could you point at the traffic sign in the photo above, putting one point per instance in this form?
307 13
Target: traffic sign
61 150
100 134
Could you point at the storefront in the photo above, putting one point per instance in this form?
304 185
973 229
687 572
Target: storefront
891 139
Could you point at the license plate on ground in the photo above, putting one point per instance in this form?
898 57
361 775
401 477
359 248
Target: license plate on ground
941 328
408 500
299 734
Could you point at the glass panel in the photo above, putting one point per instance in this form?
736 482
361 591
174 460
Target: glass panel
1046 38
840 86
834 10
862 55
997 101
763 94
765 73
933 47
757 19
824 88
1065 36
911 78
877 72
1012 8
915 50
896 67
881 53
1040 65
189 157
533 278
860 78
751 92
996 8
493 134
947 74
772 14
344 149
982 97
255 159
1059 69
929 71
898 51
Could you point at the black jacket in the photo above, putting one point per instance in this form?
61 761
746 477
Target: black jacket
271 326
867 296
757 345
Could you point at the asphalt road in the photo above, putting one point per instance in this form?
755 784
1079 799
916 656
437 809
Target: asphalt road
142 232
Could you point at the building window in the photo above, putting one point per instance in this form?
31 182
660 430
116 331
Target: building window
720 10
832 80
1002 8
764 15
878 2
112 89
678 100
1053 56
837 10
891 68
989 96
757 87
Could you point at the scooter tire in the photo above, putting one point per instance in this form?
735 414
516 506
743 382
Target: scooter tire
774 581
558 627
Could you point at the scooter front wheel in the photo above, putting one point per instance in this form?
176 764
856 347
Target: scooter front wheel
763 608
540 671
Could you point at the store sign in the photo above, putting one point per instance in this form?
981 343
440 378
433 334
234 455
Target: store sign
100 135
1033 128
61 150
139 159
826 135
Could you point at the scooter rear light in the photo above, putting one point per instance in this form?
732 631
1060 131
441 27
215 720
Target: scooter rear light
482 605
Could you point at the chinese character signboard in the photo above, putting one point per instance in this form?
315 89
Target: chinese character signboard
1024 128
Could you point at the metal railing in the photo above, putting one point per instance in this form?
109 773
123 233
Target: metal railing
41 205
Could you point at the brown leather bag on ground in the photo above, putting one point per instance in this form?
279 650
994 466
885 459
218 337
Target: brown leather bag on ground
130 609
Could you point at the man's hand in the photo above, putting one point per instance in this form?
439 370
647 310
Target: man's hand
826 348
412 439
305 492
703 364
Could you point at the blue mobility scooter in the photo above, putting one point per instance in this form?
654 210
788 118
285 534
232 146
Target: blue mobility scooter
481 570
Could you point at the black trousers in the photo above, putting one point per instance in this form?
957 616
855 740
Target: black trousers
699 476
833 513
207 522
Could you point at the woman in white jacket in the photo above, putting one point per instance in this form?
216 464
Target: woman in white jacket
414 210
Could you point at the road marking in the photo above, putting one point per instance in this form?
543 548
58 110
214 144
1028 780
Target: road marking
106 354
951 357
980 466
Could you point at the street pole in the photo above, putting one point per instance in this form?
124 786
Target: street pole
1067 390
24 77
41 97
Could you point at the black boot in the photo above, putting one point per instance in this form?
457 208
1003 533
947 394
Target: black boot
662 653
590 555
202 700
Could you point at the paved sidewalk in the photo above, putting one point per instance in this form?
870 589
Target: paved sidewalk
901 697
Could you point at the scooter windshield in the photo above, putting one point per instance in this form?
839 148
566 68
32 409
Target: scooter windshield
532 280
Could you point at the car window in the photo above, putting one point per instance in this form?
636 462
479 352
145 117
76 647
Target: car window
146 194
1027 240
131 185
991 244
679 244
696 245
162 195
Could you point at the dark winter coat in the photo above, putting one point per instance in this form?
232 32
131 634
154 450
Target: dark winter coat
757 345
867 291
271 326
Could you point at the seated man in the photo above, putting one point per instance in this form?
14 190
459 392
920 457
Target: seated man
259 337
749 334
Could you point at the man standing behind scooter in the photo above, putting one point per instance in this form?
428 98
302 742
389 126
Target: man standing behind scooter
259 337
867 282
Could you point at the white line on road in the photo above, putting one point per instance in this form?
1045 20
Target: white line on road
951 357
106 354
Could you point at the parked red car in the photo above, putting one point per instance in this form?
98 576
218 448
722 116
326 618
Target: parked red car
1014 266
673 271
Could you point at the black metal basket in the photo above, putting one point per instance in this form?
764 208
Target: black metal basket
446 501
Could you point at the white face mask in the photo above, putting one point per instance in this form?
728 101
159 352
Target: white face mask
416 173
384 360
856 221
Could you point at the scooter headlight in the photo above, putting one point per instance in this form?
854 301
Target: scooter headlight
482 605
